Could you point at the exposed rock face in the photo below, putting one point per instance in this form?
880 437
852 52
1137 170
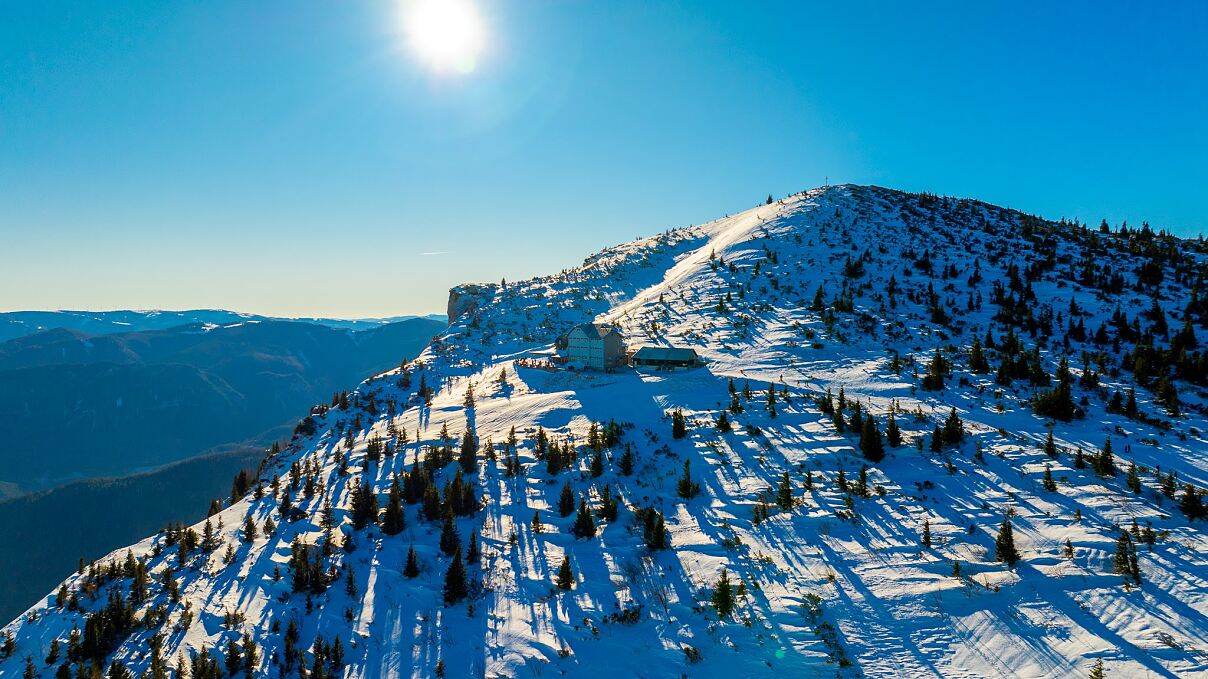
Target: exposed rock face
462 298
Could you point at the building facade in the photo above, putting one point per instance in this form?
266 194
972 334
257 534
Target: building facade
598 347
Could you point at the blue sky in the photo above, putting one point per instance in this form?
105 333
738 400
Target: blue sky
294 157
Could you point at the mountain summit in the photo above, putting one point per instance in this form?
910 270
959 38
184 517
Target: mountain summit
916 435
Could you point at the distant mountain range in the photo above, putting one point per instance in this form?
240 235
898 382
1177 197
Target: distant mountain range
122 402
146 425
15 324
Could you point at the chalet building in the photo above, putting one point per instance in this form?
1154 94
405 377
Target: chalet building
599 347
665 358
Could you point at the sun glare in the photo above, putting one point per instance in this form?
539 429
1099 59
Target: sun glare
446 34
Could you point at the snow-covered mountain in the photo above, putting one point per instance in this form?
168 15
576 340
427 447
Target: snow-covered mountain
771 541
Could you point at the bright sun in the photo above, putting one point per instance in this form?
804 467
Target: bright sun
447 34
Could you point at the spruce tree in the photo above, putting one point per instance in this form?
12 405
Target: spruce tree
455 580
1134 479
870 441
926 539
784 493
1004 545
626 463
679 425
394 520
1097 671
411 569
1049 484
584 526
723 596
686 488
450 541
1050 446
892 433
723 423
566 501
566 577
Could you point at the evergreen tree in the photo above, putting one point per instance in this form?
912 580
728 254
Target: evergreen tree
1134 479
536 524
1050 446
450 541
597 464
1049 484
394 520
472 552
566 577
411 570
1104 462
977 359
937 369
455 580
892 433
723 596
723 423
954 429
584 526
1097 671
1004 545
686 488
679 425
469 450
566 501
1191 503
784 493
870 441
626 463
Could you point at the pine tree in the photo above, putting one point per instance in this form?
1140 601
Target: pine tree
679 425
1049 484
723 423
394 520
1050 446
469 450
1134 479
1104 462
784 494
926 539
626 463
411 570
450 541
686 488
597 464
892 433
472 552
1004 545
870 441
723 596
954 429
536 525
566 501
455 580
584 526
566 577
1097 671
937 368
350 583
1191 503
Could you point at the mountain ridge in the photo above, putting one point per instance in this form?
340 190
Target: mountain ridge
847 559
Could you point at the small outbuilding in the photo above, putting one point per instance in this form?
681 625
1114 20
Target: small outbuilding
599 347
665 358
